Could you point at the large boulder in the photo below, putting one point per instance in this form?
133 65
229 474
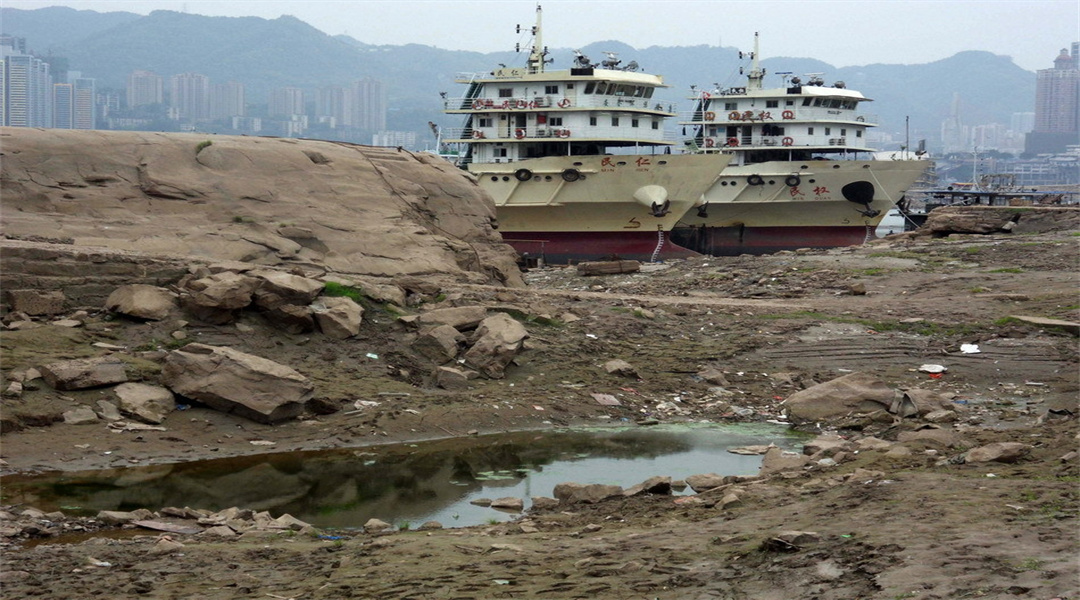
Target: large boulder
83 373
278 287
233 381
217 298
338 316
577 493
499 339
857 392
141 301
439 344
459 317
147 403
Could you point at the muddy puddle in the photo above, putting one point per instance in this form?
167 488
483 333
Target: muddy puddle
407 484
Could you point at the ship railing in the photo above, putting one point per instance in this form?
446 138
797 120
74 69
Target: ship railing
522 103
544 132
776 117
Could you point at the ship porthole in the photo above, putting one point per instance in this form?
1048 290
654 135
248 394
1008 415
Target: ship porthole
772 182
571 175
792 180
755 180
523 174
494 177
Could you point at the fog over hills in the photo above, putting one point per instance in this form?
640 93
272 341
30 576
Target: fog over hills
266 54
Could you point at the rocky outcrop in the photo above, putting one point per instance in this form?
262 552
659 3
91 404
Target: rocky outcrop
233 381
857 392
140 301
83 374
363 210
499 339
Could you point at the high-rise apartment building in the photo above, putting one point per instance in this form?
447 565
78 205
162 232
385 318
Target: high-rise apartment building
286 102
227 100
1057 106
369 104
190 96
84 103
26 88
144 88
63 106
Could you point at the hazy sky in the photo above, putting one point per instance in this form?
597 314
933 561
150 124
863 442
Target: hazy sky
840 32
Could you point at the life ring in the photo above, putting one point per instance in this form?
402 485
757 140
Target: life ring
788 114
706 95
755 180
787 141
710 116
478 135
563 133
521 104
733 142
571 175
564 103
709 143
519 133
523 174
478 104
792 181
734 115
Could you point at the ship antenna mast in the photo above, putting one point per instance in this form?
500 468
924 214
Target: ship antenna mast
538 51
756 75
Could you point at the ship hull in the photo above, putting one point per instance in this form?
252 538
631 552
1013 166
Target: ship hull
609 206
767 207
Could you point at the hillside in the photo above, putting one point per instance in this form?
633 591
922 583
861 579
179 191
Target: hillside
266 54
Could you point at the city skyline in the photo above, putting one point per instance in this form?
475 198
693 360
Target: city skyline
874 31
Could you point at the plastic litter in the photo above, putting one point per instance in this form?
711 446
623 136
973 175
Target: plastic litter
931 368
970 348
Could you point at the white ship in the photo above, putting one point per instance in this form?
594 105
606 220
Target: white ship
795 179
577 160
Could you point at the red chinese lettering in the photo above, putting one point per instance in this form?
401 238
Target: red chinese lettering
763 115
794 190
819 190
607 162
643 161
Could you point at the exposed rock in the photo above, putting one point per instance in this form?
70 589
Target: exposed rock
35 302
713 376
80 415
824 443
376 525
508 503
292 318
544 503
141 301
233 381
1003 452
429 526
1070 326
14 390
338 316
452 378
705 481
574 493
217 298
439 344
83 373
116 517
857 392
621 368
777 460
929 438
660 485
461 318
499 339
147 403
278 287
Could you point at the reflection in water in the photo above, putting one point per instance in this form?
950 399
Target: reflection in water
408 483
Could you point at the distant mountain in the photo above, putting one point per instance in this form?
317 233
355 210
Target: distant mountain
265 54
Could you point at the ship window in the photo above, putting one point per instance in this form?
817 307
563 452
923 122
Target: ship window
506 92
551 89
555 121
589 87
789 103
731 106
817 101
639 91
809 131
592 121
633 122
614 121
772 104
648 92
485 122
500 152
655 124
843 132
806 102
858 133
569 86
828 131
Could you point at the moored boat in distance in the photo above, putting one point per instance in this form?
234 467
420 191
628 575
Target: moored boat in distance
795 179
578 161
